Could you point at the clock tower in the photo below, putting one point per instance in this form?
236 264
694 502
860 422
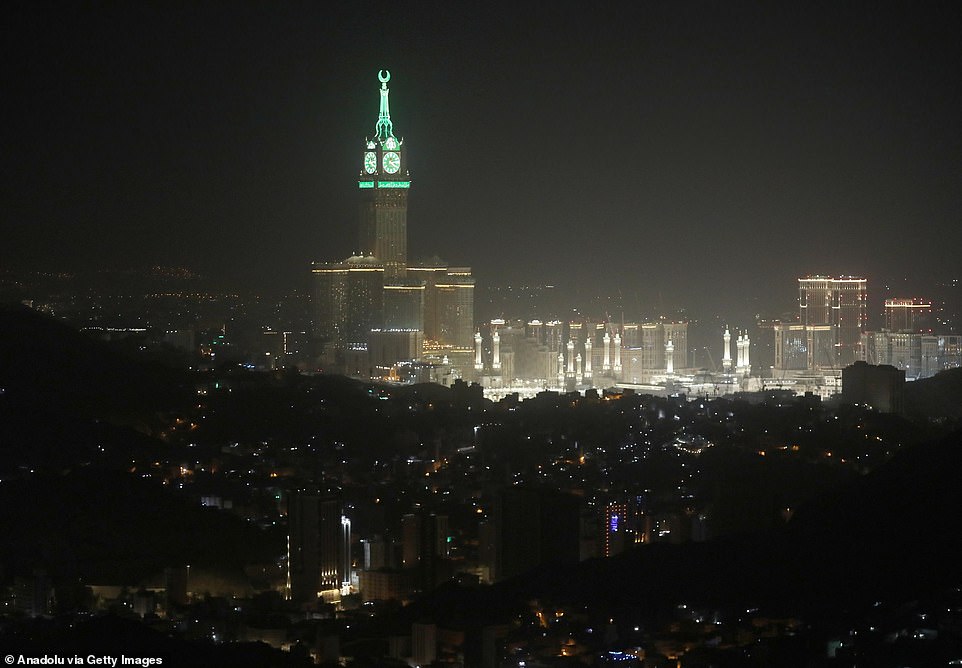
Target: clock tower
383 184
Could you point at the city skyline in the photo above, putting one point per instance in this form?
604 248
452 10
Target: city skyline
660 149
618 334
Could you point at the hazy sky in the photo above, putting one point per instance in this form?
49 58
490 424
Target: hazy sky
698 151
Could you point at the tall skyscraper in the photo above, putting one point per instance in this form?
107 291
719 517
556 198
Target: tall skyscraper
430 273
371 309
614 533
839 303
384 182
319 543
448 303
348 301
455 308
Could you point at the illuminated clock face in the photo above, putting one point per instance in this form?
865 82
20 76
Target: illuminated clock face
370 162
391 162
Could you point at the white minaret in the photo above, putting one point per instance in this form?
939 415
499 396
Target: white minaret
478 364
739 355
571 356
606 364
748 363
578 374
588 356
616 355
496 344
727 352
669 358
744 367
561 369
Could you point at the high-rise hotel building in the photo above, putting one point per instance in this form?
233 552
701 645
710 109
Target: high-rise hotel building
448 303
319 546
376 295
841 305
908 342
348 301
908 315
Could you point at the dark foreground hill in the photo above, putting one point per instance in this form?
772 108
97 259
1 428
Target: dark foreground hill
939 396
67 400
47 366
76 417
115 637
102 527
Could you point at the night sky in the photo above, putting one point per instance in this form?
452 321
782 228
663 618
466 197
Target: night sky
685 152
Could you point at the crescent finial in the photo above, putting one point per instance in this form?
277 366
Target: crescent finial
383 76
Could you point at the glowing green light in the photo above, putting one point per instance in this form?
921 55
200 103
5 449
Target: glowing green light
384 127
391 162
393 184
365 184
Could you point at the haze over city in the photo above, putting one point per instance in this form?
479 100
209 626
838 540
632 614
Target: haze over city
688 155
434 335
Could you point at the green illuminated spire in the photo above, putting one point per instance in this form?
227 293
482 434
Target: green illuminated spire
384 127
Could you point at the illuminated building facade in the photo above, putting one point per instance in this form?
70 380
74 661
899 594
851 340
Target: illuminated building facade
455 308
917 355
908 315
386 585
430 274
383 183
448 303
902 350
907 342
404 305
389 347
809 354
581 354
791 347
644 350
804 347
839 303
940 352
348 301
431 304
615 530
319 538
